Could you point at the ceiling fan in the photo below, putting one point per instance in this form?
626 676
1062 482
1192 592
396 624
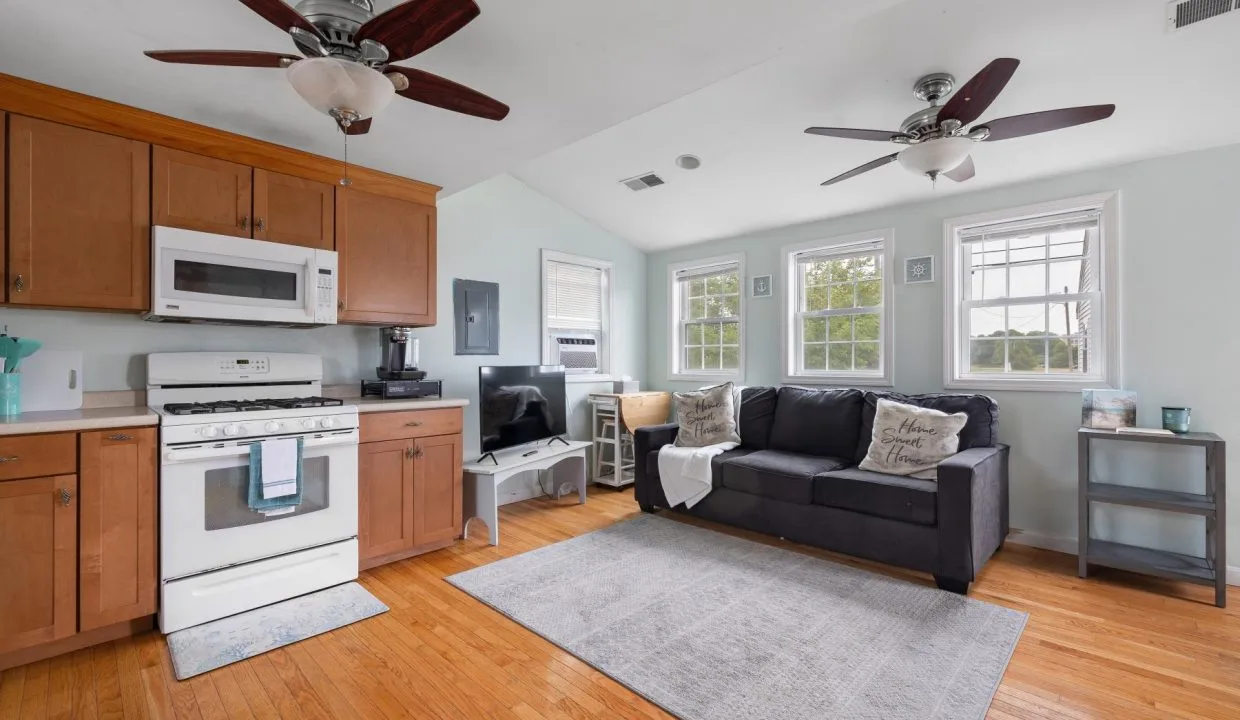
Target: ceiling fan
347 72
936 139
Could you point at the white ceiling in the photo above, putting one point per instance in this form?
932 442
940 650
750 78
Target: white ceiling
568 68
1175 92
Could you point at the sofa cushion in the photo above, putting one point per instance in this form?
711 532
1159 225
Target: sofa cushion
886 496
981 430
756 416
716 463
706 416
817 422
777 475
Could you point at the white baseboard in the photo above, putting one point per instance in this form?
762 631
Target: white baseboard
1068 545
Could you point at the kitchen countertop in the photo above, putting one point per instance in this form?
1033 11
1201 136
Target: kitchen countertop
75 420
378 404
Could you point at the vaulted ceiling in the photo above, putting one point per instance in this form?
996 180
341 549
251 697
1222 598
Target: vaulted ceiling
604 91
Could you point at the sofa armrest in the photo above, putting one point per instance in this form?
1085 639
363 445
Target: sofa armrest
972 510
647 490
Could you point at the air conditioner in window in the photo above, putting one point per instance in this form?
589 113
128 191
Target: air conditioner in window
575 351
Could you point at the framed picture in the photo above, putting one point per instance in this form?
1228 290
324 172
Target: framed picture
1108 409
919 270
760 286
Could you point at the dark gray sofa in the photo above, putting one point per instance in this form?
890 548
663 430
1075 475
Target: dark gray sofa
795 475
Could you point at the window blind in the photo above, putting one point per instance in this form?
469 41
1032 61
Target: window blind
840 252
706 271
574 297
1065 222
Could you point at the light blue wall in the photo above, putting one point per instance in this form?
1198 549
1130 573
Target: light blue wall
1179 255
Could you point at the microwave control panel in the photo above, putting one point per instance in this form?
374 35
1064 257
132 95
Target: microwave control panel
325 292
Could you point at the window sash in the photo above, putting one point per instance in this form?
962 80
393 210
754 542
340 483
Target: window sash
870 249
683 280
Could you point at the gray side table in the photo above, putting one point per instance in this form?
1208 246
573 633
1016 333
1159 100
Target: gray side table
1210 570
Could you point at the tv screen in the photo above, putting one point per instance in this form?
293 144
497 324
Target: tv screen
520 404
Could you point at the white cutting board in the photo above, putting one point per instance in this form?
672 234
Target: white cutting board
52 380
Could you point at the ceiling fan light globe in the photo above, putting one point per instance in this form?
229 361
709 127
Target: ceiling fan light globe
936 156
329 84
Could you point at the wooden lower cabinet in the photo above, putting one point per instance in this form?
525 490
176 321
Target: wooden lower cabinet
38 561
409 488
117 566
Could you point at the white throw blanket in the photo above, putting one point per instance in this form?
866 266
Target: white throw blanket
685 472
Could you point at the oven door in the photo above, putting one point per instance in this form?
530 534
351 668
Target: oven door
205 519
204 276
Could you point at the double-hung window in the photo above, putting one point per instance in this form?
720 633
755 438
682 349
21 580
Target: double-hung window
838 324
707 340
576 313
1030 297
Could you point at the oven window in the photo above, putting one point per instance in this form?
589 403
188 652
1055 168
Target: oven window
233 281
227 495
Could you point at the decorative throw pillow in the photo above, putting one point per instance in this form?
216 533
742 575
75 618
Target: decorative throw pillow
910 440
706 417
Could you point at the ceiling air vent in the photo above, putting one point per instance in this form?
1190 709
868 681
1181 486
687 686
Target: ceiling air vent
1187 12
643 182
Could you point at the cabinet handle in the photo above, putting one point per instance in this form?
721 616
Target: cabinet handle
409 453
340 305
245 222
118 437
65 497
417 452
415 423
259 225
11 458
19 284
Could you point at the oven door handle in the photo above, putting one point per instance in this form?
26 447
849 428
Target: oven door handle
189 455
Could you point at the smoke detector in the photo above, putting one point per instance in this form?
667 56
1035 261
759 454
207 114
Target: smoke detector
643 182
1182 13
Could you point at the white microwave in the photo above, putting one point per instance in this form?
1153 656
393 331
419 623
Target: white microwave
201 277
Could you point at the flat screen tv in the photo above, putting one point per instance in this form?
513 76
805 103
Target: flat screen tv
520 404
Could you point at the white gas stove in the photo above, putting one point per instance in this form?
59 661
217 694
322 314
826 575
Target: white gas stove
217 556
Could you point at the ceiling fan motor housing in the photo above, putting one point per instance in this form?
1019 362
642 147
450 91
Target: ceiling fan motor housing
338 20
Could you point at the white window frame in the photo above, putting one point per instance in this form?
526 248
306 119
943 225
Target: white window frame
674 341
790 327
605 342
1105 348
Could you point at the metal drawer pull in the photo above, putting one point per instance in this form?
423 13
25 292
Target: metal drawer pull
19 284
11 458
119 437
415 423
65 497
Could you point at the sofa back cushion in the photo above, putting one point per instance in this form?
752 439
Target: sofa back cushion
817 422
981 430
757 414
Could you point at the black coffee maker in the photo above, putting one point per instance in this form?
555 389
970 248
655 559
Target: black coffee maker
399 376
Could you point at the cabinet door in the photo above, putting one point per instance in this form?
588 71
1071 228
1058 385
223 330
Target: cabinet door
38 561
385 497
117 571
387 259
201 193
79 218
294 211
436 489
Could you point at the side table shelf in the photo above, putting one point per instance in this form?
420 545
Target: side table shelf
1210 570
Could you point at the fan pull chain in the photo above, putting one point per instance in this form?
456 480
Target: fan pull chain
345 181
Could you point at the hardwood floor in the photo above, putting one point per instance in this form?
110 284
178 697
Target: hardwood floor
1112 647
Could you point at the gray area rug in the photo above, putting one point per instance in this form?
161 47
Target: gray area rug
212 645
714 627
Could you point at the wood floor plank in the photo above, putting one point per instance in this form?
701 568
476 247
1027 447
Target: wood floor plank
1116 646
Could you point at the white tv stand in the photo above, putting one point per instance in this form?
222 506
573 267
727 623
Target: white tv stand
565 462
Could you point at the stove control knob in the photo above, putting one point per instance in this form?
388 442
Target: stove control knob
210 431
327 423
271 426
231 430
308 423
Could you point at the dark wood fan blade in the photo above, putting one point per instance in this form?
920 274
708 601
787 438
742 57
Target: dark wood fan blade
855 134
963 171
278 13
358 127
234 58
971 100
1045 121
863 169
441 92
417 26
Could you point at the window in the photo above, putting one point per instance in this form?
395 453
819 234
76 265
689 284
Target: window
1030 297
577 314
707 328
838 313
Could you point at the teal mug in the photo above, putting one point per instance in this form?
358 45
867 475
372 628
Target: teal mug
10 394
1176 419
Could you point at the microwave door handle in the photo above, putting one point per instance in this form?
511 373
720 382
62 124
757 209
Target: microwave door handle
349 438
312 287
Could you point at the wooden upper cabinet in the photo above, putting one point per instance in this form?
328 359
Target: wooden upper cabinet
385 498
38 535
201 193
79 217
294 211
387 259
4 226
437 489
117 571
